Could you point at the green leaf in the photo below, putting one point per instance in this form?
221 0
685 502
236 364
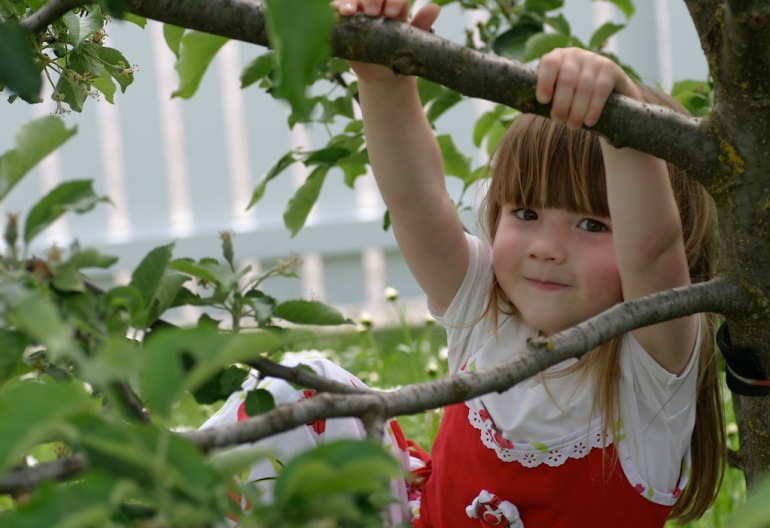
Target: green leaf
117 66
40 319
755 513
258 69
33 411
117 358
302 202
513 42
71 92
147 277
173 36
210 271
342 467
221 386
353 167
455 162
163 375
166 294
104 84
135 19
309 313
196 51
18 70
540 44
626 6
91 258
541 6
258 402
442 103
34 142
281 165
115 8
602 34
301 43
478 174
428 90
559 23
77 196
326 156
67 279
485 123
12 345
82 27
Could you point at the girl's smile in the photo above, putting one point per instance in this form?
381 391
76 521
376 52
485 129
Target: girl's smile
546 284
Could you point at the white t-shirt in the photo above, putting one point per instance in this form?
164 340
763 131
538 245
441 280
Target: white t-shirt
657 408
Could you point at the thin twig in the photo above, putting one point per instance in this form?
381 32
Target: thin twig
23 480
132 402
303 377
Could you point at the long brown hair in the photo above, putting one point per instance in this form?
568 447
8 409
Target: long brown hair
543 164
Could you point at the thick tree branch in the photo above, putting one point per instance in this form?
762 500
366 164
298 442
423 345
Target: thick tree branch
715 296
661 132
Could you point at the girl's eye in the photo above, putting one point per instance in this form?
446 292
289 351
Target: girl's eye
525 214
593 226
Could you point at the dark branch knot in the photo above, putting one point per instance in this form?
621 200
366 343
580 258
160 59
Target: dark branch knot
405 64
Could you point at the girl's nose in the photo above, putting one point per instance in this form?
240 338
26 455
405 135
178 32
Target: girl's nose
548 245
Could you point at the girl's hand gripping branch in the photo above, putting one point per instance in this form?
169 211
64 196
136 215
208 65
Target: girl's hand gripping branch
577 83
393 9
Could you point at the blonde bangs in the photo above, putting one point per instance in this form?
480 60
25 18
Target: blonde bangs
542 164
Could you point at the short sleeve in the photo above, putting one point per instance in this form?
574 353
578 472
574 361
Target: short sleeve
462 317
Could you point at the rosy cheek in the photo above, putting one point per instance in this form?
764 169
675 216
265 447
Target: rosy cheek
607 281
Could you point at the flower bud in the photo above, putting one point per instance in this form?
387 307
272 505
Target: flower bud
227 246
391 294
12 230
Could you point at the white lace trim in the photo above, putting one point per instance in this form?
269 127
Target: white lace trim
554 453
574 445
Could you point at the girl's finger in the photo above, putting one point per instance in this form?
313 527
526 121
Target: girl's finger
603 86
373 8
583 96
547 72
426 16
564 90
397 9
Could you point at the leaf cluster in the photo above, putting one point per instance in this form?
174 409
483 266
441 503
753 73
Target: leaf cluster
94 378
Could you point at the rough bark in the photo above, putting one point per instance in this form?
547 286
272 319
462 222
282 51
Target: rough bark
735 38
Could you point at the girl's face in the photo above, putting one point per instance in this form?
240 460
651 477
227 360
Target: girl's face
557 267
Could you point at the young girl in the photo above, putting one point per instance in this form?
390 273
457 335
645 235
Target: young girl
630 435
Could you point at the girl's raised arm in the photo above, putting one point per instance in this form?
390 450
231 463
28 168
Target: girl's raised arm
645 222
408 166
